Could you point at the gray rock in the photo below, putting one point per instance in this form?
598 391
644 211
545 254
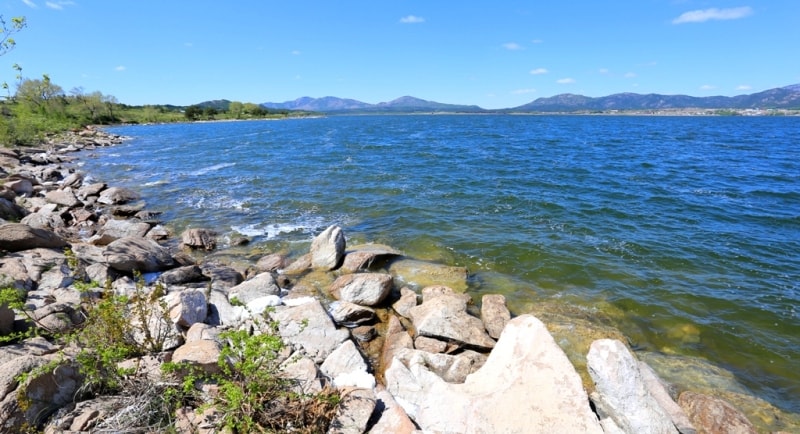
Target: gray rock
620 390
73 180
48 391
430 345
350 314
367 289
20 186
494 314
115 229
57 317
63 197
393 419
353 413
117 196
451 368
16 236
271 262
303 372
6 320
140 254
299 266
363 256
201 331
347 368
408 299
91 190
309 328
260 285
187 307
203 354
197 238
185 274
327 249
445 317
526 385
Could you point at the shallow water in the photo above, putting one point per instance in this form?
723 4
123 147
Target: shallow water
685 230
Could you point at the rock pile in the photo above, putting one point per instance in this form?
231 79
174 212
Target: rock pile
410 361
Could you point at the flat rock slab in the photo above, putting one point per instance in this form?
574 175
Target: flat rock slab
362 256
17 236
137 254
366 289
526 385
308 328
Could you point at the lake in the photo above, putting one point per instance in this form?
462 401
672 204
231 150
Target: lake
684 231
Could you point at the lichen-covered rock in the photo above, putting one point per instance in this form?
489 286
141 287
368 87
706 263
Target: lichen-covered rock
197 238
713 415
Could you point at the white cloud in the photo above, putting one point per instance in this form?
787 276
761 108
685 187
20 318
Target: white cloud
565 80
537 41
744 87
188 44
412 19
707 87
30 3
513 46
523 91
539 71
703 15
119 68
603 70
58 5
630 75
295 52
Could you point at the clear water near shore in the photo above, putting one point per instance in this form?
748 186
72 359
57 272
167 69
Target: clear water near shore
684 230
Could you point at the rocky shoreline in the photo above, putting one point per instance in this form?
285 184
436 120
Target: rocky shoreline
405 360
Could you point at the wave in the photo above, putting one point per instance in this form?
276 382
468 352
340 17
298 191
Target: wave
214 168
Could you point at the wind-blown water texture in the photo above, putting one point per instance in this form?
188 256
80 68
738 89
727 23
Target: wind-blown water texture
690 226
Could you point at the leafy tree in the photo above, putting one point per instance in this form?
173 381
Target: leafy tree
7 43
235 109
193 112
40 95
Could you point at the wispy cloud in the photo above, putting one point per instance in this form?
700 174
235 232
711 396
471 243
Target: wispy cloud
59 5
513 46
744 87
295 52
119 68
30 4
539 71
603 71
703 15
567 80
523 91
707 87
537 41
412 19
630 75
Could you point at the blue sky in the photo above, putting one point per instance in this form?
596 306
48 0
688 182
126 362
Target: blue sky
494 54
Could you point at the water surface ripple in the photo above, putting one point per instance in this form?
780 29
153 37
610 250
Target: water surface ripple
690 226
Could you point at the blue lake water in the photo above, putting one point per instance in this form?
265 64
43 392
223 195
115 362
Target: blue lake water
687 226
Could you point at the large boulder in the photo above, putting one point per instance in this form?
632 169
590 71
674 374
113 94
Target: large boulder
526 385
17 236
327 249
63 197
364 256
115 229
187 307
137 254
444 316
367 289
621 393
494 314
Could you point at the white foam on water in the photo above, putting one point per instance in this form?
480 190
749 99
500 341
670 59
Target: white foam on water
214 168
270 231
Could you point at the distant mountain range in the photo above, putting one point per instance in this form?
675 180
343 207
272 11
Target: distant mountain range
779 98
